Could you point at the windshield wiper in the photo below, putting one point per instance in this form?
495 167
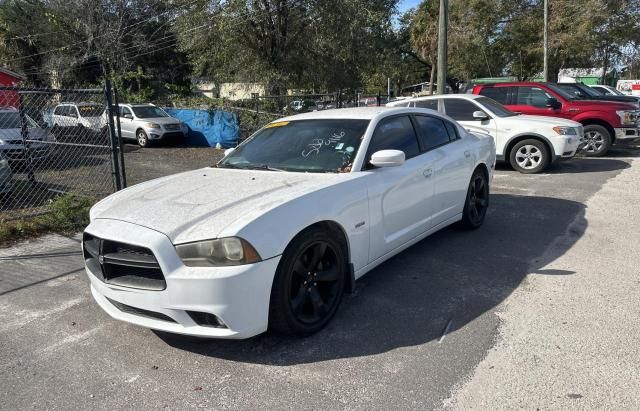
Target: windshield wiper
264 167
250 167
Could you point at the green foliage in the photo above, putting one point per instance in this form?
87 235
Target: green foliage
67 214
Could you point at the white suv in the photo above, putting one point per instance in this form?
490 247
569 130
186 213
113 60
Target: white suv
529 143
89 116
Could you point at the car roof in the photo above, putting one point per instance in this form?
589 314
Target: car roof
355 113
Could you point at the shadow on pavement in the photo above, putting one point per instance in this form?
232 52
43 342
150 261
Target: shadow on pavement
453 276
577 165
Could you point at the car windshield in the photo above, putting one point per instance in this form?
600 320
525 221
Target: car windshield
93 110
496 108
316 146
149 112
561 92
9 120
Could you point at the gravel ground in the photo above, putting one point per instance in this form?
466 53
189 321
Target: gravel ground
144 164
439 325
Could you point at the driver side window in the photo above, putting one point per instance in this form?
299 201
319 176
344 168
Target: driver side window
126 112
394 133
532 96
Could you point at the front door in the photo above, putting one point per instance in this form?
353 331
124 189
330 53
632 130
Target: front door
399 197
126 123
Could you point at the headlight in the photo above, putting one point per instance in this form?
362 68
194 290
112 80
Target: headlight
152 125
219 252
628 117
4 163
565 131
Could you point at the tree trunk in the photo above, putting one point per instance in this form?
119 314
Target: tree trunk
433 76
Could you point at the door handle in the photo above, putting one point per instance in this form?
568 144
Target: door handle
467 154
427 173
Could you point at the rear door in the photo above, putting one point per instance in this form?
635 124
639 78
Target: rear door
451 164
399 197
532 100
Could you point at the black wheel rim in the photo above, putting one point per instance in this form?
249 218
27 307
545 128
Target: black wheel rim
315 283
478 199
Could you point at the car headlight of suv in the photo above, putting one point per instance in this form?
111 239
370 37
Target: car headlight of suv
629 117
152 125
566 131
227 251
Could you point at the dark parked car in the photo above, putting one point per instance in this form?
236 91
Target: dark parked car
582 92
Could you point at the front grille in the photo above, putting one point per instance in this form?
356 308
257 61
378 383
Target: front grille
172 126
139 311
123 264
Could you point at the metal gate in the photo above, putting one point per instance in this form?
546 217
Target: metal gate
56 143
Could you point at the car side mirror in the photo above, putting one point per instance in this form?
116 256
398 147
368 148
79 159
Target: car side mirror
229 151
553 103
387 158
129 116
480 115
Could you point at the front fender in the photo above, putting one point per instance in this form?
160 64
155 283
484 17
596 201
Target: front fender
610 118
345 203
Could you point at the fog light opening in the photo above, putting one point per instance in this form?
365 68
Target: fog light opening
206 319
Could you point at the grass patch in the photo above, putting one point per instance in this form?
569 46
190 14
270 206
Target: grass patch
67 214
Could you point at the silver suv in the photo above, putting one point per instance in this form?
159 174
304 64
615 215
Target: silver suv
146 123
11 144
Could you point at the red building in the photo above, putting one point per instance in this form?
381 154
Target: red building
9 98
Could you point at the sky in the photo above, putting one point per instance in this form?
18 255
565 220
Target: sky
407 4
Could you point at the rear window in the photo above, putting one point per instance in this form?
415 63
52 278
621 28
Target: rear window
499 94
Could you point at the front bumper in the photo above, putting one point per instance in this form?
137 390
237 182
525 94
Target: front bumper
627 133
238 296
162 134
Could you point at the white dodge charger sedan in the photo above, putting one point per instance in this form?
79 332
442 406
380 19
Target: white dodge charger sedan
528 143
275 233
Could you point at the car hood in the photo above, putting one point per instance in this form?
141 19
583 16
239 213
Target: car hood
541 121
603 104
15 134
199 204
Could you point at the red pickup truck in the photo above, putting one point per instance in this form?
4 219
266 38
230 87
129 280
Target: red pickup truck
605 122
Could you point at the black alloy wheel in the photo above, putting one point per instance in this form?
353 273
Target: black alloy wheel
309 284
477 202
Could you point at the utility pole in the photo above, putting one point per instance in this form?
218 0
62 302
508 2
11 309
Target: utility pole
545 71
443 23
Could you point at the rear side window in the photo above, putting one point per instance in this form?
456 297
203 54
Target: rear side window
499 94
430 104
459 109
433 132
453 131
396 133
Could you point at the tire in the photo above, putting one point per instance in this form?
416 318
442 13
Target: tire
477 201
142 138
529 156
309 284
598 140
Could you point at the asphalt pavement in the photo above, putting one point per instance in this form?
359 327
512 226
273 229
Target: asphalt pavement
420 331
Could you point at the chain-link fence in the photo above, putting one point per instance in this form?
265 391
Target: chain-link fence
260 110
54 143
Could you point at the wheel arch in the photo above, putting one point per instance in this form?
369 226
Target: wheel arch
340 233
607 126
528 136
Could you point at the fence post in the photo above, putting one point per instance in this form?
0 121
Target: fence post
120 148
112 132
24 133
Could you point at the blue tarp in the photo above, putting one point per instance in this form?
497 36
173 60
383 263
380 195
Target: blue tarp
209 127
